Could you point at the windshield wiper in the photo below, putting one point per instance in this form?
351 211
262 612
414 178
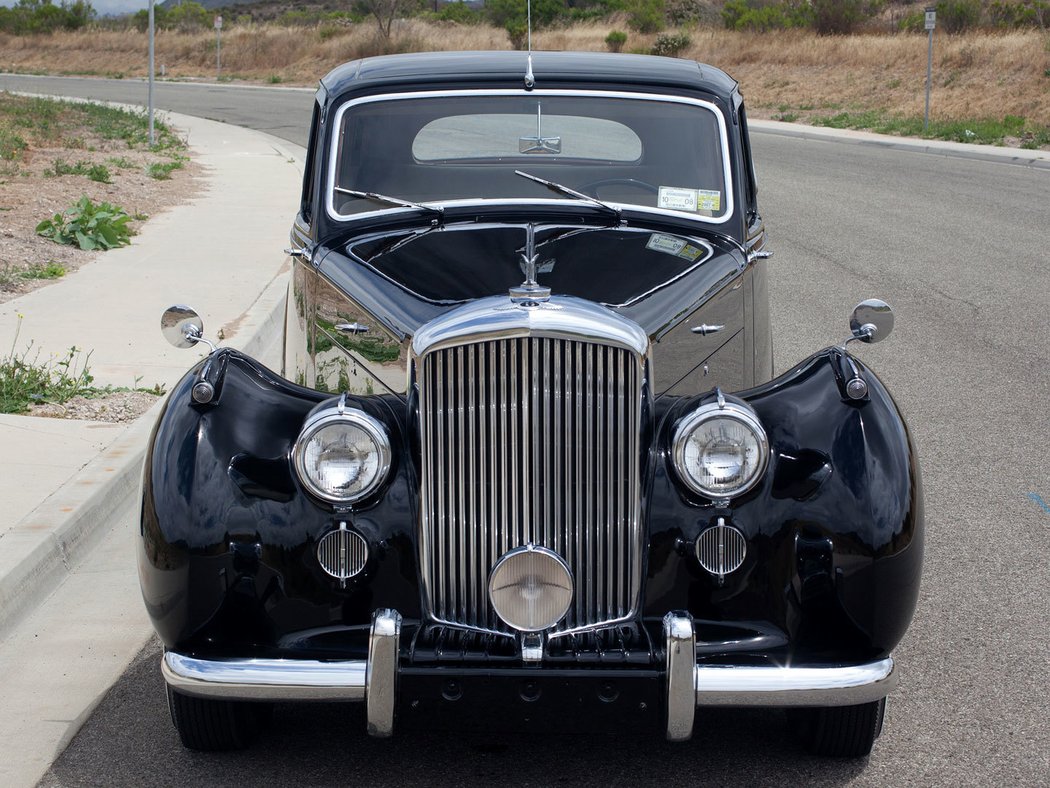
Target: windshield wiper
374 196
565 191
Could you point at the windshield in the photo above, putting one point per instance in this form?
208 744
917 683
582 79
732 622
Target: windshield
653 153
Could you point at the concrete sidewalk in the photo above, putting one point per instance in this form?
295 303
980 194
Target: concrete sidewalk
64 485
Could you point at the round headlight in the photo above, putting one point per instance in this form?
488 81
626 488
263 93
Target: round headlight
342 454
721 449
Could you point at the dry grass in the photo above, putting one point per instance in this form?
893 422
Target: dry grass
795 73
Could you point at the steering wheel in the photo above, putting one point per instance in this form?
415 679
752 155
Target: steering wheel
592 187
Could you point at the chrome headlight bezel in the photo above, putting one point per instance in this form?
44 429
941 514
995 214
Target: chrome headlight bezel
721 409
338 413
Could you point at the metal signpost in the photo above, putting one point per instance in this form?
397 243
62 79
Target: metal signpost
150 102
218 46
931 23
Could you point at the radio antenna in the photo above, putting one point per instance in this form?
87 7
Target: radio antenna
530 80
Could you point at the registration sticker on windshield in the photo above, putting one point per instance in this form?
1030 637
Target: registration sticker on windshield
676 198
668 244
708 200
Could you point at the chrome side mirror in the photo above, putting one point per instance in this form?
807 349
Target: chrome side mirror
872 321
183 327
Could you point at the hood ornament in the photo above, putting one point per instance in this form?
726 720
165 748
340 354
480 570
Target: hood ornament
529 291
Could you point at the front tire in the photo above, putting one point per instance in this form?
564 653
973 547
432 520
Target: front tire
215 725
840 731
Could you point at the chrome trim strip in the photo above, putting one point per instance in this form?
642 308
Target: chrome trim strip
680 651
264 679
719 117
384 643
847 685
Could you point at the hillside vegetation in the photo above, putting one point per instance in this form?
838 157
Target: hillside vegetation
991 80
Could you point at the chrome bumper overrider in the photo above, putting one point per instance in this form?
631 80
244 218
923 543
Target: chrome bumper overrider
374 680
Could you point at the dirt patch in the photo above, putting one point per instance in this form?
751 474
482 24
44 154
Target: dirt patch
116 407
48 176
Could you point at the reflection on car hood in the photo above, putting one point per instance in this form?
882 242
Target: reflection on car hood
411 276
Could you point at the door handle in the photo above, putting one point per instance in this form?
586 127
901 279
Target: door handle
704 329
351 328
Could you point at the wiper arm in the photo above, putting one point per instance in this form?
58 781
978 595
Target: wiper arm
434 209
565 191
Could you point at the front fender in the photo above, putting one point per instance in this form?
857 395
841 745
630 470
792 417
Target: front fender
228 533
834 529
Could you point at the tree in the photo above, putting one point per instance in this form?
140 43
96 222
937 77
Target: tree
386 12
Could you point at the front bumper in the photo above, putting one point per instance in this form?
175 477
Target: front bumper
374 681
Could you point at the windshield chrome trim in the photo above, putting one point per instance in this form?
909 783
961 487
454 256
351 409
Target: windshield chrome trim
482 202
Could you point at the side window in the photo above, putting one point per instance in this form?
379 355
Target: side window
307 201
750 186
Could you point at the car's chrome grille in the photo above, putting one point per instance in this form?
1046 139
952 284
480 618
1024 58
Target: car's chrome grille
530 440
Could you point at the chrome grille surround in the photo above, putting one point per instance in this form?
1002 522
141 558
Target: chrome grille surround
530 419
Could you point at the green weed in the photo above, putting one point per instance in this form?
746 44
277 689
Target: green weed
48 270
25 379
89 225
162 171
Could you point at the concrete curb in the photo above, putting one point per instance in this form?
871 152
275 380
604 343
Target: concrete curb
54 537
1039 159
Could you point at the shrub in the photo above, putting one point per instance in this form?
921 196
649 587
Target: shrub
645 16
690 12
1020 13
88 225
670 44
955 16
762 15
458 12
42 16
836 17
615 40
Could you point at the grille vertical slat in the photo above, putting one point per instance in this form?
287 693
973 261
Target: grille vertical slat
530 440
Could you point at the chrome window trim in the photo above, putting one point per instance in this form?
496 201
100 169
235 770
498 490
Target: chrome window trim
424 94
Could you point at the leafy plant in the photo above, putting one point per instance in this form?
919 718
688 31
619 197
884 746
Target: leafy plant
89 225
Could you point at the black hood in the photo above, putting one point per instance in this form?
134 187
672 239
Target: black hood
407 277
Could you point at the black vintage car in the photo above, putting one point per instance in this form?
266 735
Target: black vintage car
526 455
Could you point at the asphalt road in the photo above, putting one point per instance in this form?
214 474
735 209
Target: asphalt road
958 247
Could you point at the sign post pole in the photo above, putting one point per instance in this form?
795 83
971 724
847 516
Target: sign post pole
218 47
931 23
151 74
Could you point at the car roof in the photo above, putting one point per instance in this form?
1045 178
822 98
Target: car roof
506 69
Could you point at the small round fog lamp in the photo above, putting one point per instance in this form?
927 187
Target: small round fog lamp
531 588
